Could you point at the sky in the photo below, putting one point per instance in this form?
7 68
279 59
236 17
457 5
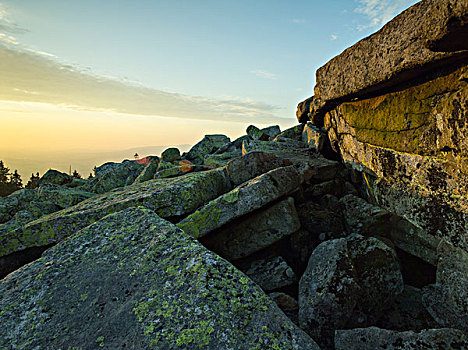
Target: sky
95 77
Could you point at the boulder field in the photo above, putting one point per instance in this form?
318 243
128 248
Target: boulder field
346 231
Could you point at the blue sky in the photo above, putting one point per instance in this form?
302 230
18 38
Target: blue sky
211 62
265 51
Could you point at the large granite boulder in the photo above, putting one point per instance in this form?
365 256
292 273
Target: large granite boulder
209 144
54 177
395 107
348 283
133 280
114 175
169 198
426 36
375 338
256 231
244 199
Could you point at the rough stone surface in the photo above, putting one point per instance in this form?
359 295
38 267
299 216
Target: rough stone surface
317 225
244 199
209 144
271 273
54 177
375 338
347 283
168 198
255 231
407 312
447 300
251 165
399 52
412 146
314 136
170 154
148 172
294 133
256 134
271 131
63 197
311 165
133 280
113 175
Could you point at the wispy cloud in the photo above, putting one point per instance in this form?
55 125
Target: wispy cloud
8 39
30 77
6 24
264 74
379 12
298 20
333 37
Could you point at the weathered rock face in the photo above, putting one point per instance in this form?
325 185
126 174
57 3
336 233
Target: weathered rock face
417 41
114 175
447 300
256 231
395 107
375 338
168 198
347 283
134 280
209 144
244 199
414 142
54 177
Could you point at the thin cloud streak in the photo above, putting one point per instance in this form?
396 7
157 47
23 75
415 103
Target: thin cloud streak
379 12
264 74
24 72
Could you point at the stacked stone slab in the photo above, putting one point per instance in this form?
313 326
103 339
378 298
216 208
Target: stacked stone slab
394 106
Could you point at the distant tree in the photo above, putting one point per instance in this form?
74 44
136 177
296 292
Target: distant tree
4 173
76 174
4 179
16 181
9 183
90 176
32 183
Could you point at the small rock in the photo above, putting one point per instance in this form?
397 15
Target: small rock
209 144
314 136
256 134
54 177
170 155
294 133
272 131
375 338
271 273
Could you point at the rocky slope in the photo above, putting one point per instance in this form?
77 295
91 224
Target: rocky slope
345 232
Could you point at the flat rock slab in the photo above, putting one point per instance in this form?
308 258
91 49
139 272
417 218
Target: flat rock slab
167 197
133 280
255 232
375 338
244 199
398 52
